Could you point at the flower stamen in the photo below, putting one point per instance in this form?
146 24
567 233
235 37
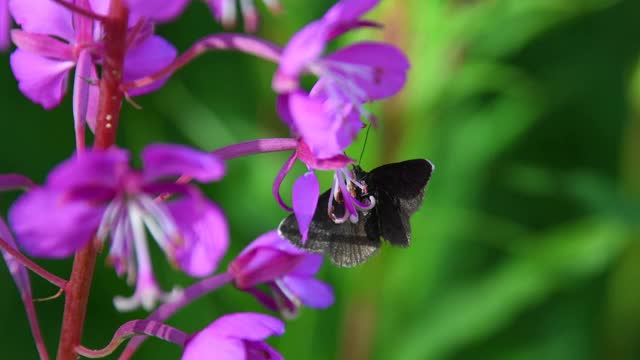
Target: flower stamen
346 189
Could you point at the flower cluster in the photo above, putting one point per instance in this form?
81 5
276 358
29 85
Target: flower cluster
97 200
109 198
54 40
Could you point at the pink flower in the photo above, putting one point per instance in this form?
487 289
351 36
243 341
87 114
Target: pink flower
97 194
54 40
287 272
328 117
235 336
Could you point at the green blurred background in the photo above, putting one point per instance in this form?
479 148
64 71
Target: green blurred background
527 243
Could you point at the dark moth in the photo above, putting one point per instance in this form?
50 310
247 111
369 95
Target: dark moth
398 190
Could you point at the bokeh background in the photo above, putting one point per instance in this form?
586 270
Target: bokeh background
527 245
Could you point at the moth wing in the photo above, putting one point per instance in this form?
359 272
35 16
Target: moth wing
403 181
393 222
346 244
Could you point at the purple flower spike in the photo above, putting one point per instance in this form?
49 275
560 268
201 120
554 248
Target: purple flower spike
328 118
236 336
97 194
287 272
53 41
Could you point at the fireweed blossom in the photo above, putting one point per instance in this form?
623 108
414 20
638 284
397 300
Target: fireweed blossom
235 336
54 40
97 193
287 272
306 189
329 116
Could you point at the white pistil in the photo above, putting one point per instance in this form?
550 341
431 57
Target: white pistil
107 221
146 291
160 224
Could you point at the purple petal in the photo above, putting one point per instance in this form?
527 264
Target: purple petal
326 135
305 47
83 25
144 30
311 292
205 234
266 258
42 80
43 17
5 25
94 97
387 63
262 265
157 10
216 8
100 7
81 96
206 343
43 45
309 265
259 350
340 29
18 271
149 57
48 226
349 10
162 160
282 106
272 240
247 326
305 199
91 168
10 182
306 156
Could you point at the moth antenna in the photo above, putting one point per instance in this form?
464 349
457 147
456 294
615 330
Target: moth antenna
366 137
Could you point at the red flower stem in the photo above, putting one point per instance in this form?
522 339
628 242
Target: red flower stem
79 286
115 46
81 10
225 41
37 269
